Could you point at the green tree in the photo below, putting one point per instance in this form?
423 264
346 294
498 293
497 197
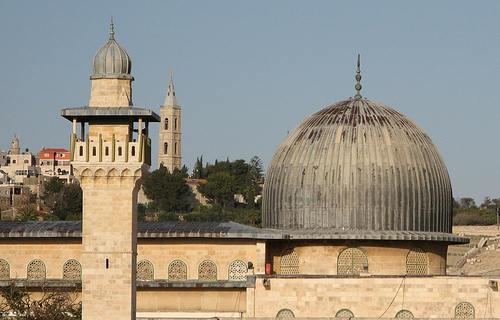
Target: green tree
198 171
220 188
63 200
168 191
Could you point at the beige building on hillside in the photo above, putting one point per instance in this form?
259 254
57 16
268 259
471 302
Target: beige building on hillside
18 165
357 216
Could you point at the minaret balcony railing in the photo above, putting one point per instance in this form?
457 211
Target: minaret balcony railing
99 150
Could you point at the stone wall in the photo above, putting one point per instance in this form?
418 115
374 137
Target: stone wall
111 93
373 297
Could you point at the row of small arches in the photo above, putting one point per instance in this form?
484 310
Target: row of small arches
463 310
354 261
177 270
207 270
36 270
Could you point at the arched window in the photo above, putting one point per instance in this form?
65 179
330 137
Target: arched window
464 310
166 124
175 124
36 270
352 261
416 262
207 271
145 270
177 270
119 151
404 314
4 270
106 151
133 151
175 148
81 151
72 270
289 262
94 151
344 314
237 271
284 314
165 148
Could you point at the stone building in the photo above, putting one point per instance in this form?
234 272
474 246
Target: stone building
16 164
356 212
55 162
169 147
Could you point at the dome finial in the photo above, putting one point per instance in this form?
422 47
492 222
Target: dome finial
111 29
358 80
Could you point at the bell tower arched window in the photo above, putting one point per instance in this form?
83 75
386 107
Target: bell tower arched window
166 124
165 148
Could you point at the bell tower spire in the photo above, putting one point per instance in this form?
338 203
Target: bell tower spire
170 99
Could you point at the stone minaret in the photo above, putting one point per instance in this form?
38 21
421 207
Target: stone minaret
109 160
15 147
169 149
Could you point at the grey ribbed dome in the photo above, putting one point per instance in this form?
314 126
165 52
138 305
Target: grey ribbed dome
112 61
358 165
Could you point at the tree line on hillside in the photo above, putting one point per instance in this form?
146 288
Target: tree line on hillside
466 212
222 183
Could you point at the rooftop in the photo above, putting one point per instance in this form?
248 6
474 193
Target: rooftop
95 113
226 230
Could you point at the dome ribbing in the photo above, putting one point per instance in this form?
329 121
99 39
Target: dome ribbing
358 165
112 61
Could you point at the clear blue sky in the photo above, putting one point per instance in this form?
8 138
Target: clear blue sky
248 72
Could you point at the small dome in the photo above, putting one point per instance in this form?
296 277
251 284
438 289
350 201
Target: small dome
112 61
358 165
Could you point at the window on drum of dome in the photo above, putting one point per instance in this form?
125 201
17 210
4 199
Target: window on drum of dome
417 262
145 270
72 270
289 262
404 314
177 270
119 151
238 271
4 270
284 314
352 261
106 151
207 271
464 310
344 314
81 151
36 270
133 151
94 151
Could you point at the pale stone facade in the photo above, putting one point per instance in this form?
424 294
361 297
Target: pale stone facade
170 142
